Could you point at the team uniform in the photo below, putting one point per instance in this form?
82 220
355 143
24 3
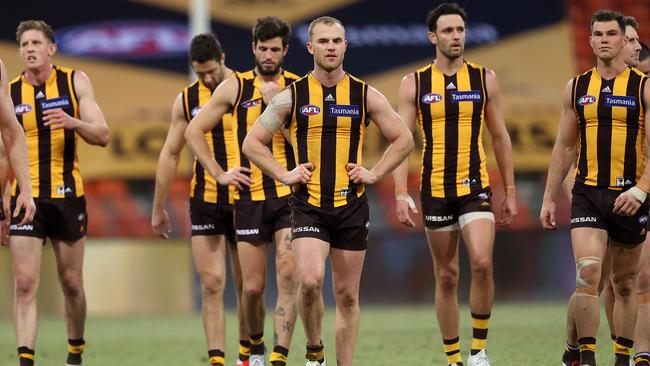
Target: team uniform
211 204
327 127
451 114
611 157
262 208
54 167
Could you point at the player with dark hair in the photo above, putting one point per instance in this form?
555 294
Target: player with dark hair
453 100
211 203
262 212
603 119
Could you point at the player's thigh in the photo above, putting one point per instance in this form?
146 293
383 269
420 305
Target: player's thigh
310 255
478 236
69 257
443 245
26 256
625 259
589 242
346 271
284 259
208 252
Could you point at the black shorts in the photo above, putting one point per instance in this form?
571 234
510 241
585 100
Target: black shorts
344 227
212 219
56 218
257 221
442 212
593 207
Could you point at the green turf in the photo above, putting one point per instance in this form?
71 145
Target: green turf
520 334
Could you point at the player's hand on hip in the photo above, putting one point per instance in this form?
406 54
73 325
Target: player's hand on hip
237 176
626 204
403 204
57 118
299 175
508 211
547 215
160 223
358 174
269 89
25 203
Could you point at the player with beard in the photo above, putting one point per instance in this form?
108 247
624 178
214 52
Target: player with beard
262 212
326 114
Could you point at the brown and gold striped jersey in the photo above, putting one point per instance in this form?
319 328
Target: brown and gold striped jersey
610 117
327 127
52 154
222 145
451 114
248 107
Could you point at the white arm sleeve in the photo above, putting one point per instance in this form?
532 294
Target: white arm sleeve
271 118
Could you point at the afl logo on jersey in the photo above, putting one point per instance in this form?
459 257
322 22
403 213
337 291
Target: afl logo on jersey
195 111
22 109
310 110
431 98
586 100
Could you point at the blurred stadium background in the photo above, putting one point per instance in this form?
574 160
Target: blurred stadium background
135 53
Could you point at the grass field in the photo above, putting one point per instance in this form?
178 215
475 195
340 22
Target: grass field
520 334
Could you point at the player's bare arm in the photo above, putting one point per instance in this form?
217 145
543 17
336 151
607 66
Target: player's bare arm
564 153
256 142
502 147
91 124
15 144
394 130
166 171
220 103
407 111
628 202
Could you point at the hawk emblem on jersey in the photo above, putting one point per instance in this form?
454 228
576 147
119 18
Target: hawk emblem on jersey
22 109
586 100
431 98
251 103
60 102
310 110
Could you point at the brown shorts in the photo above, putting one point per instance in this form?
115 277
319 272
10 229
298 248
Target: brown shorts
56 218
592 207
442 212
344 227
212 219
257 221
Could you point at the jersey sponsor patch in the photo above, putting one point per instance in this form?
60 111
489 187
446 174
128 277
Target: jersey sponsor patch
431 98
21 109
586 100
466 96
309 110
60 102
620 101
251 103
195 111
339 110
